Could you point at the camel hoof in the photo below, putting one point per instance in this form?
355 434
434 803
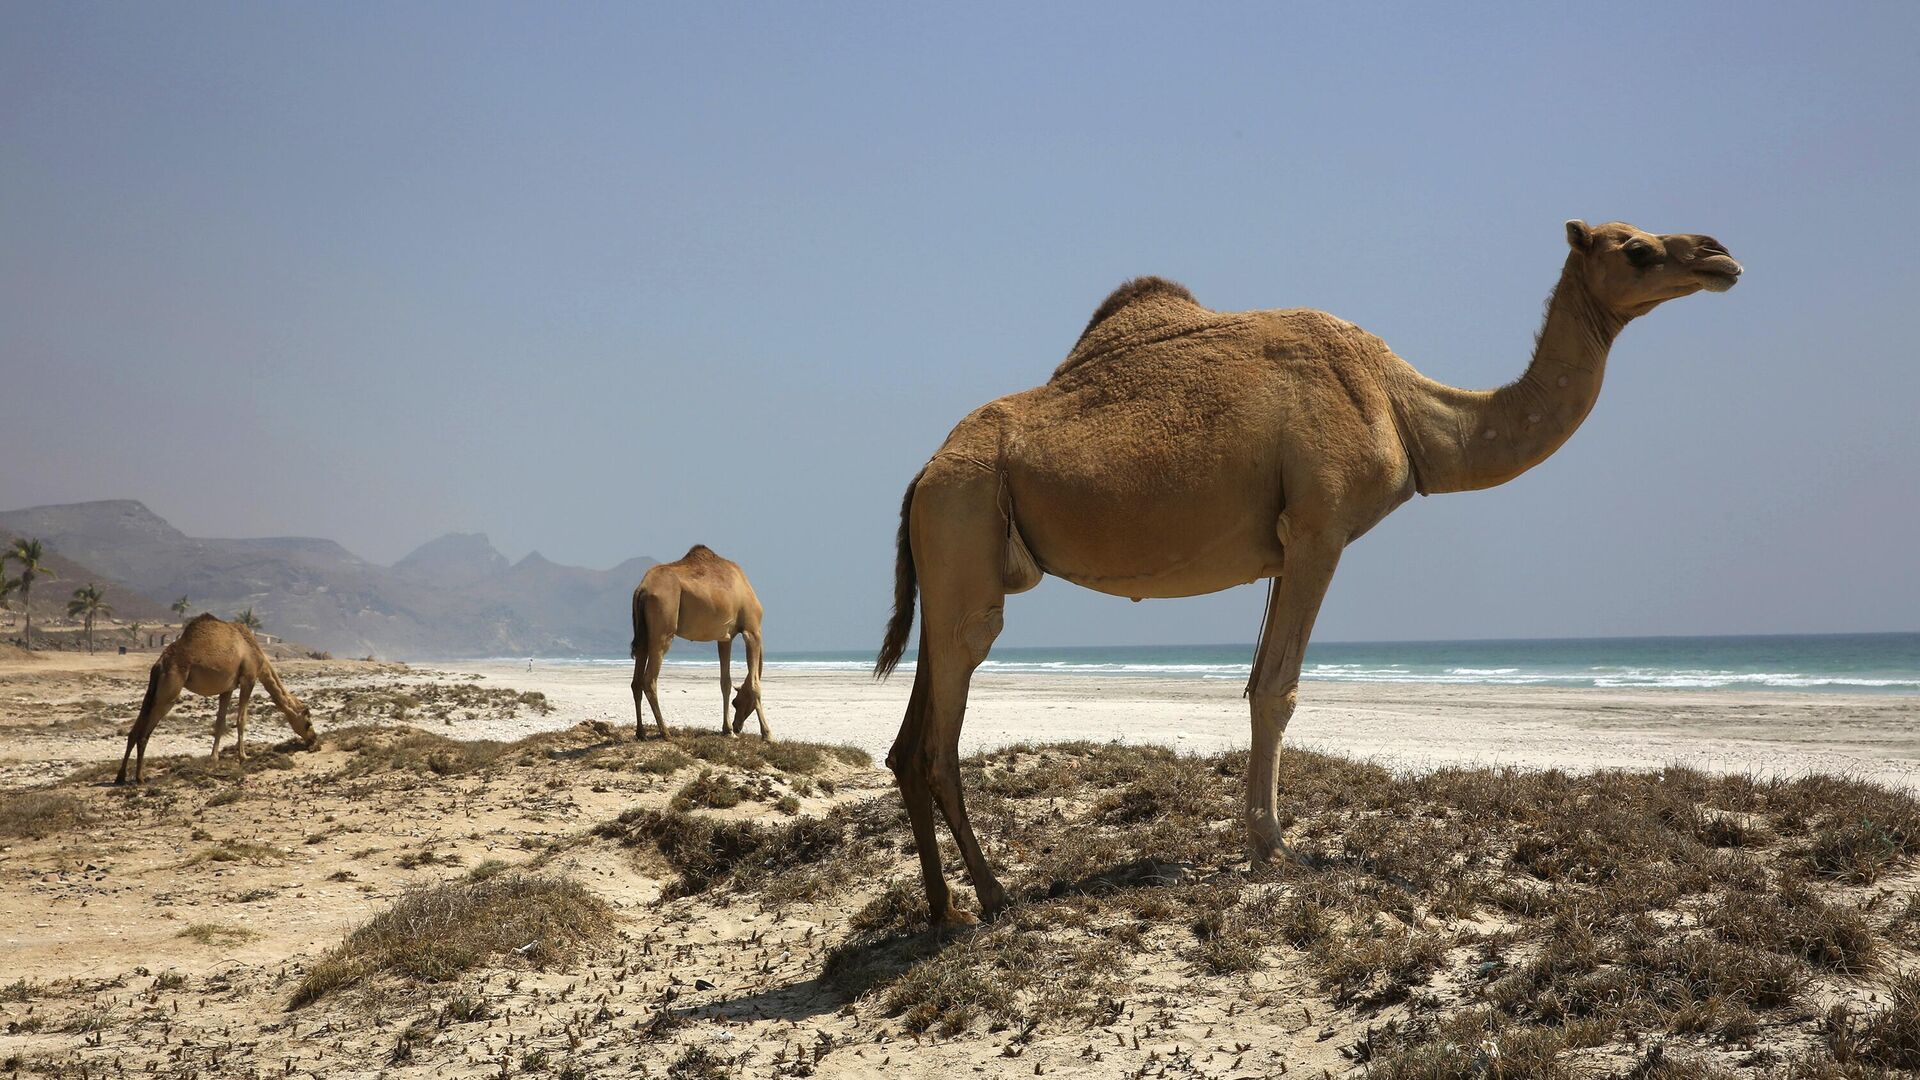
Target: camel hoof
1275 856
954 917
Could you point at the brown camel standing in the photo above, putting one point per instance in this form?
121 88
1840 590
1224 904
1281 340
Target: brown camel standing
210 657
700 597
1179 451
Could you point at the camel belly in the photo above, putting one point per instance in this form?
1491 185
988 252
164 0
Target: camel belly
1179 544
209 683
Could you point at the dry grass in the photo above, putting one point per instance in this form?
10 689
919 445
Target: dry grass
424 702
435 933
229 851
197 770
1511 922
792 862
217 934
36 815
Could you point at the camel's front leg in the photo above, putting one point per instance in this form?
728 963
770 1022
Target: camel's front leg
726 684
750 689
220 723
1306 568
240 719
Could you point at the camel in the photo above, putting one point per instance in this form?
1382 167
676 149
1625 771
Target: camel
1179 451
210 657
700 597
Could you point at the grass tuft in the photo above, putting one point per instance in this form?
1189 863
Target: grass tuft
36 815
434 934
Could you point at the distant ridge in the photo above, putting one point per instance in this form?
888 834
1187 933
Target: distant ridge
452 596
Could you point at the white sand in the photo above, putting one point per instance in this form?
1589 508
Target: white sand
1415 726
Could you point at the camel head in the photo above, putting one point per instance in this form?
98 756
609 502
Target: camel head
1631 271
300 718
743 702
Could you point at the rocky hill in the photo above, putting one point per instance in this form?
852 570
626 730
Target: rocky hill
454 596
50 595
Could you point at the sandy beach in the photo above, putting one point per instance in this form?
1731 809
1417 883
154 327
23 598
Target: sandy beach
1405 726
170 927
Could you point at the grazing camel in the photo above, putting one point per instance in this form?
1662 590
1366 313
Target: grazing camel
701 597
210 657
1180 451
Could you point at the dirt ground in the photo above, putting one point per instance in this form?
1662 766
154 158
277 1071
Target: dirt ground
166 929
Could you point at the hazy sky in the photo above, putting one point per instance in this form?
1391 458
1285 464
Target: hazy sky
607 281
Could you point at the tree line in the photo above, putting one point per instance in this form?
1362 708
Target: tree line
89 601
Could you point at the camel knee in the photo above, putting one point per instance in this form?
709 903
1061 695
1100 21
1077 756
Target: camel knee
912 767
978 633
1274 705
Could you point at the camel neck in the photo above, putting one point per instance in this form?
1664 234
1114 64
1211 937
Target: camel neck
1465 440
275 689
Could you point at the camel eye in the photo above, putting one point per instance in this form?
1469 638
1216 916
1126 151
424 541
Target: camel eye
1640 253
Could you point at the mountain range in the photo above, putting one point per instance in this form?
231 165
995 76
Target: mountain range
451 597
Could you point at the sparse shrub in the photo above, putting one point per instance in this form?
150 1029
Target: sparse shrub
217 934
707 791
36 815
1792 920
435 933
1888 1037
708 852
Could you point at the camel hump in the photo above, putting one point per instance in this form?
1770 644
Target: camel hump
1137 289
700 551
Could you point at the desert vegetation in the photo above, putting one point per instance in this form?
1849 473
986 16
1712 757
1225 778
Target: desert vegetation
573 902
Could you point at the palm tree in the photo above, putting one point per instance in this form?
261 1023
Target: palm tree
248 619
132 630
180 608
88 604
7 586
31 555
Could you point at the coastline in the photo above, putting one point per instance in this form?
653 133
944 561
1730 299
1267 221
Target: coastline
1414 726
1405 726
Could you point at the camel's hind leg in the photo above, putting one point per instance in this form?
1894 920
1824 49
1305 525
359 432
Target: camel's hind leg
650 681
640 692
726 686
167 686
959 544
917 793
220 722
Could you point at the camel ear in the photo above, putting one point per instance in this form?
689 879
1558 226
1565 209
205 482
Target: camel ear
1579 237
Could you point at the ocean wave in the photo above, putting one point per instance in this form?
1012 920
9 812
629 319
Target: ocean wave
1616 676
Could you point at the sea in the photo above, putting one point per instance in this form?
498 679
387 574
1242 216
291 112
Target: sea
1812 663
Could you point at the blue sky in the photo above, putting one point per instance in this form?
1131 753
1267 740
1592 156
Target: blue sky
607 281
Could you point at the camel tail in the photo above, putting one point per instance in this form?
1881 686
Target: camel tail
639 625
905 582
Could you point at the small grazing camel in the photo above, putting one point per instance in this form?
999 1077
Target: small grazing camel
1180 451
210 657
700 597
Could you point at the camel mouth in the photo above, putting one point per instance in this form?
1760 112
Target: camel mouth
1719 274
